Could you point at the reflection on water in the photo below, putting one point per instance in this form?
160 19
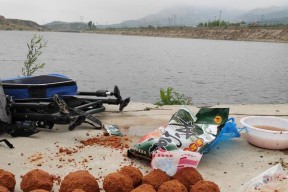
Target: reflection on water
209 71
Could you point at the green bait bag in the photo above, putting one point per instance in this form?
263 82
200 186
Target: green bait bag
184 132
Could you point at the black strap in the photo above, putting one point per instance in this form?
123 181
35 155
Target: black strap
7 143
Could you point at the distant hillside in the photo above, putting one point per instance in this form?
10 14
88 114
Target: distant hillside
66 26
176 16
184 16
191 16
269 16
181 16
17 24
187 16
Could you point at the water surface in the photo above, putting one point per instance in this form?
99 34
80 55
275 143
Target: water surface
208 71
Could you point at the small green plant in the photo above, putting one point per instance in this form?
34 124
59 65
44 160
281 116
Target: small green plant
170 97
34 51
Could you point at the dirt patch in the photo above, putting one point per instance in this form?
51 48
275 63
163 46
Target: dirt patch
239 34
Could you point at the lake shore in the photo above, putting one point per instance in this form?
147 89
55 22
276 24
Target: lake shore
235 34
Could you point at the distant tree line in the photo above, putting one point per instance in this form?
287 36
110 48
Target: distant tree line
215 23
218 23
91 25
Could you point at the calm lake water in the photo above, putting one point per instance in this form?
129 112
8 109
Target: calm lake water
208 71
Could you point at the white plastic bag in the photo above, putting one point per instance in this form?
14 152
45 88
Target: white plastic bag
273 179
173 161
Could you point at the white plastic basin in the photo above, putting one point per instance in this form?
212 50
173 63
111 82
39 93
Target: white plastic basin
272 135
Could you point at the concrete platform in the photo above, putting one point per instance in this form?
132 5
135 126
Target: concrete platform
59 151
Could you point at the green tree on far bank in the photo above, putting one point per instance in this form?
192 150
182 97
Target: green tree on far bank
215 23
91 25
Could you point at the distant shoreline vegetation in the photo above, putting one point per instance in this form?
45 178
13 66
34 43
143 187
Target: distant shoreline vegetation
215 30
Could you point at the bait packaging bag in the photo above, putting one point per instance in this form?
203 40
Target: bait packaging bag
183 141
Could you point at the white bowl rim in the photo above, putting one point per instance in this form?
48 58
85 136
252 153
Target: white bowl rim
242 121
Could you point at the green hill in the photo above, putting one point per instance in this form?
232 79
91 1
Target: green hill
66 26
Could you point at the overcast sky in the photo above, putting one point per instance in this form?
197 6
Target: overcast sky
111 11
